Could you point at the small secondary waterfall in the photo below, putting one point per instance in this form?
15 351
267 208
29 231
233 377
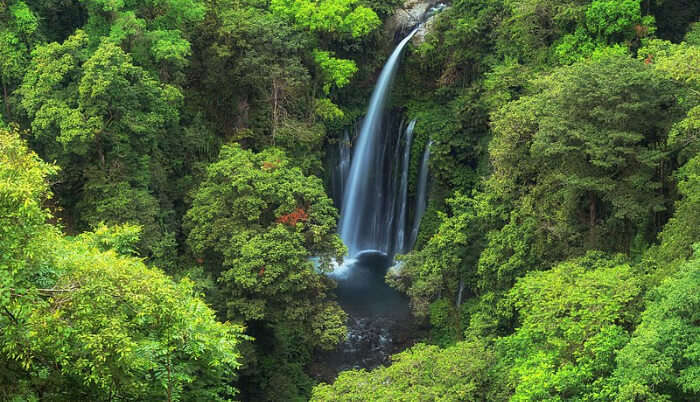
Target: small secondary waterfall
421 193
363 217
403 190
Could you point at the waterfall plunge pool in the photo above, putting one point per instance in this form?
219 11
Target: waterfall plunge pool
379 319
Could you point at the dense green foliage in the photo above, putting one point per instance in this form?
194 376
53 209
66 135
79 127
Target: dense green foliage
83 321
589 179
558 259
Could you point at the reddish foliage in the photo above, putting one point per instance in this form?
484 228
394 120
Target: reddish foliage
292 218
641 30
267 165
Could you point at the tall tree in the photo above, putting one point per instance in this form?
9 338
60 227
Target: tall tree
585 155
255 222
103 119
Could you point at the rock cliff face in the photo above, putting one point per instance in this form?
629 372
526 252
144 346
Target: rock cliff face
423 31
412 13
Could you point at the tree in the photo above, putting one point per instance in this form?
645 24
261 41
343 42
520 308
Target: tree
23 188
573 319
82 322
531 26
260 220
446 267
679 63
342 18
423 372
105 120
606 23
255 222
585 155
154 33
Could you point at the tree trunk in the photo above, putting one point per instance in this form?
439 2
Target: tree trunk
592 219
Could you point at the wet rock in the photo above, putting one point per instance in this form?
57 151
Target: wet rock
412 13
408 15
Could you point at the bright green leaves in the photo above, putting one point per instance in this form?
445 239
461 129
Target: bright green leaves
122 238
82 322
107 118
90 100
25 21
342 18
335 71
607 22
117 327
662 360
421 373
23 230
327 110
168 46
18 34
572 322
615 20
252 192
339 19
155 33
50 104
362 21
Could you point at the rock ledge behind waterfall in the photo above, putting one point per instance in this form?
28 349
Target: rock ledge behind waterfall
408 16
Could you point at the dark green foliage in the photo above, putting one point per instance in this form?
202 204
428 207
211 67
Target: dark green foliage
256 221
557 259
103 119
600 155
582 155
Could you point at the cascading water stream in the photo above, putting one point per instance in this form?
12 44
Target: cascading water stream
421 193
403 190
361 218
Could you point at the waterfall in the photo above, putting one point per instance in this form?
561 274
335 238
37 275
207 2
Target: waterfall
403 190
364 195
421 193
